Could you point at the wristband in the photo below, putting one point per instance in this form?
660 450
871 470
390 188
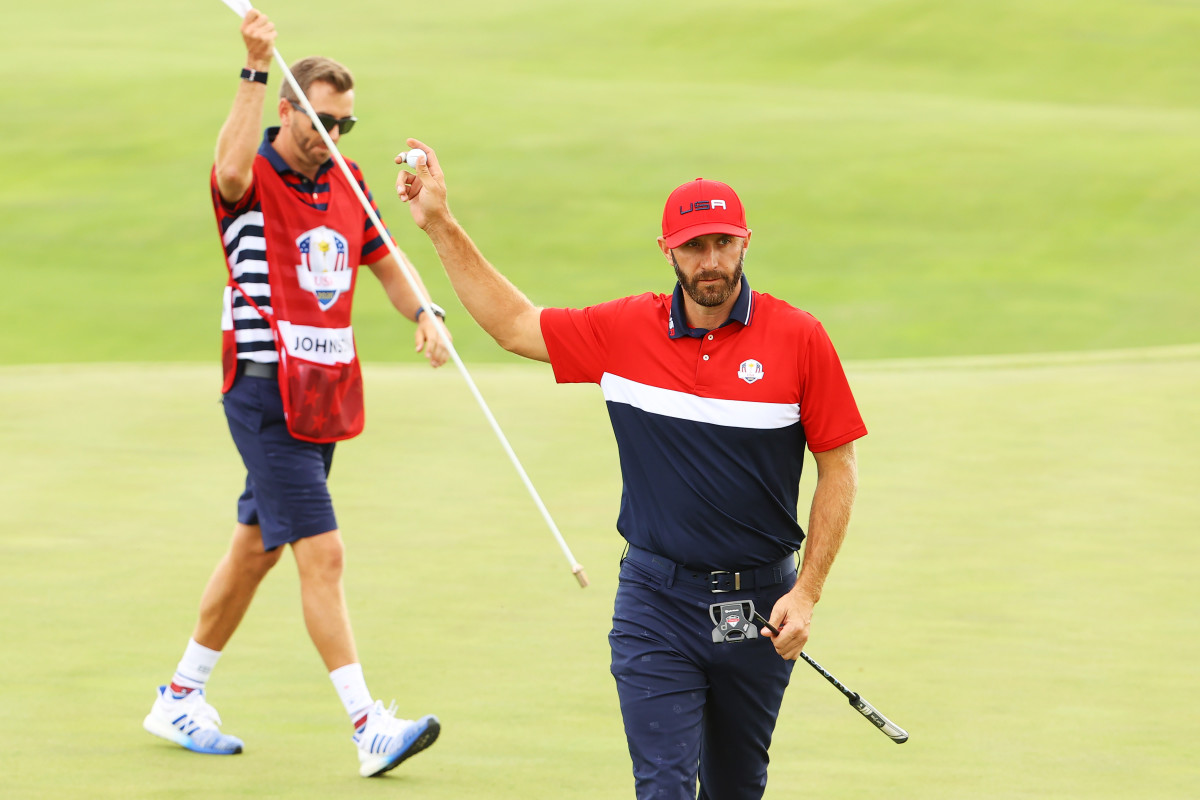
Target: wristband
256 75
437 310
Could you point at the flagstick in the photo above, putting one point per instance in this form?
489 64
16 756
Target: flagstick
241 7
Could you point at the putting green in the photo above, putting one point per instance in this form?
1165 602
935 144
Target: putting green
1016 590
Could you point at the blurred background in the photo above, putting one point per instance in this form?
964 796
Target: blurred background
927 177
992 207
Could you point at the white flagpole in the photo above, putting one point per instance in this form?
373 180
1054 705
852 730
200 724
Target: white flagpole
241 7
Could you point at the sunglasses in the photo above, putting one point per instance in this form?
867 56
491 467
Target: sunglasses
328 120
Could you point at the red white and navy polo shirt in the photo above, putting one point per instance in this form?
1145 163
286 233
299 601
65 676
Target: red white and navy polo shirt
711 426
242 227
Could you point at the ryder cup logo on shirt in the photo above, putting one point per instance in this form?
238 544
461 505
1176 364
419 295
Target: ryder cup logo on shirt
750 371
324 267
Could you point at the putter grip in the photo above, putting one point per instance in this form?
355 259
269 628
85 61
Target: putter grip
893 731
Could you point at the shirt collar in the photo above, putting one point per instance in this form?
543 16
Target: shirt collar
742 312
267 150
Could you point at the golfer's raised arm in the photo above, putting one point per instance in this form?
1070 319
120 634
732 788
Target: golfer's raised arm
240 135
491 299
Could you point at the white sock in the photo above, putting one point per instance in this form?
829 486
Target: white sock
194 668
352 689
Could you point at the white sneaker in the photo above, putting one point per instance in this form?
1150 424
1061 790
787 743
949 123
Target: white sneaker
190 722
386 741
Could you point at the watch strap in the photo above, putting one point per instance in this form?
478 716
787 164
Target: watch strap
256 75
437 310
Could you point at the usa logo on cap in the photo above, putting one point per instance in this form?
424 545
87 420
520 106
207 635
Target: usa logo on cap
700 207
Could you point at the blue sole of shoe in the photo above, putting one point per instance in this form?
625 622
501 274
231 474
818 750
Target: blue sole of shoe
168 732
211 752
423 740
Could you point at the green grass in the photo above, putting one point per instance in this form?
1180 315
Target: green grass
928 177
1017 588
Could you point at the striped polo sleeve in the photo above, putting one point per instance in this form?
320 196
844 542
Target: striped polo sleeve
374 248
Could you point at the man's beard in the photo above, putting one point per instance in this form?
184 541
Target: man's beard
717 293
308 142
314 145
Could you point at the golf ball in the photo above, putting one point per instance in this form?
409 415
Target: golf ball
414 158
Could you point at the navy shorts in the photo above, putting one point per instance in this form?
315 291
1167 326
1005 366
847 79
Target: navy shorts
285 492
693 708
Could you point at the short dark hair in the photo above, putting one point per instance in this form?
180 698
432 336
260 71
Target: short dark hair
316 68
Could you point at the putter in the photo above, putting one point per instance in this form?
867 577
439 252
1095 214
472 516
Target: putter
889 728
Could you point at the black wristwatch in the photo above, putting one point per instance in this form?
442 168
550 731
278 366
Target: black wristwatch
437 310
256 75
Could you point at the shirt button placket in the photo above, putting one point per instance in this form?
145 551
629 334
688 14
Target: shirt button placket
701 373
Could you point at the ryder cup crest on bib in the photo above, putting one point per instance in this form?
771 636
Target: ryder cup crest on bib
324 267
750 371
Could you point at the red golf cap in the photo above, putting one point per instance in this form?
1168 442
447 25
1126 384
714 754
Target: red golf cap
699 207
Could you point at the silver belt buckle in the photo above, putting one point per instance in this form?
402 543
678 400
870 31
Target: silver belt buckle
712 581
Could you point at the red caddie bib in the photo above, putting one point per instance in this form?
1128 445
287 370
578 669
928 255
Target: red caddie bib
313 257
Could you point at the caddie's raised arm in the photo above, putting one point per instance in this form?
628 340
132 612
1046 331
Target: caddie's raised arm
239 137
491 299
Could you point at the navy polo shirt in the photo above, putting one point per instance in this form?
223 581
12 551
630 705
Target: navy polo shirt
316 192
711 426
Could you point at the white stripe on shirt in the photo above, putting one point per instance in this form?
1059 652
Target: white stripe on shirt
681 405
252 218
257 243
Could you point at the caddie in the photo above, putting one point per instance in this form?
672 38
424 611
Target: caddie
294 235
713 391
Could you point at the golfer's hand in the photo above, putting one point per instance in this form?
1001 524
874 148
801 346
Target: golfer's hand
258 32
792 615
424 191
431 340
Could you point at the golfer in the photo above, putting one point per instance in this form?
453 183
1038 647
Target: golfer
294 235
713 392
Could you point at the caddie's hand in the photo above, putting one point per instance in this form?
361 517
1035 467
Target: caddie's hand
792 615
431 340
258 32
424 191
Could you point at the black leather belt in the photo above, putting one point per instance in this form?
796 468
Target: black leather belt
255 369
717 581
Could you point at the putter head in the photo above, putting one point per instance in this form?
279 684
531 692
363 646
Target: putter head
733 620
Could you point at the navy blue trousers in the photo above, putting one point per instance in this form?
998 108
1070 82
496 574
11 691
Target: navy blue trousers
693 708
286 494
